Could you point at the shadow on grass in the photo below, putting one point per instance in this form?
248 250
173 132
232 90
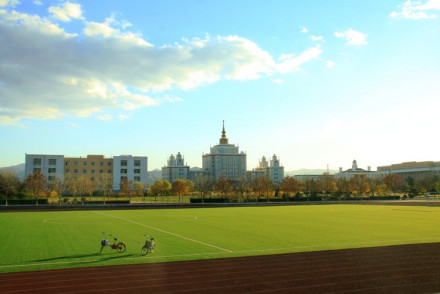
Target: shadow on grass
101 257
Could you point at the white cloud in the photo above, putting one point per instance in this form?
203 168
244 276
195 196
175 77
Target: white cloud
107 67
66 12
316 38
353 37
73 125
330 64
304 30
290 63
9 3
105 117
38 2
277 81
417 10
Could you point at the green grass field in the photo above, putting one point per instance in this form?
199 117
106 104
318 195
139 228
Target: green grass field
63 239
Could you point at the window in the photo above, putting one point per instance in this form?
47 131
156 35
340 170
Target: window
137 171
75 178
67 162
109 171
92 178
52 161
52 170
101 171
37 161
109 163
50 178
84 171
67 170
75 171
101 163
137 163
75 162
122 178
123 162
84 162
137 179
37 169
123 170
92 171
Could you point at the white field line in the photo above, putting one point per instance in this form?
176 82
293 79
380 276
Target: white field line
211 253
166 232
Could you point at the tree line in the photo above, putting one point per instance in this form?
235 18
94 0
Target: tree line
36 186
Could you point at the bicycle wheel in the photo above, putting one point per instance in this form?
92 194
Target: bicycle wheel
144 250
121 247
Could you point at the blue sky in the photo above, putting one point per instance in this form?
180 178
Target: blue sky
314 82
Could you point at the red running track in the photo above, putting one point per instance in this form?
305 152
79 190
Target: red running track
392 269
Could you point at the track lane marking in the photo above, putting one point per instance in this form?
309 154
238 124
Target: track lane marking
166 232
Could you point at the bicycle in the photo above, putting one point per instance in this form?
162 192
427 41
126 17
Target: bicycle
120 246
149 245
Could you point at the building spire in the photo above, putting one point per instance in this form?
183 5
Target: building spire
223 139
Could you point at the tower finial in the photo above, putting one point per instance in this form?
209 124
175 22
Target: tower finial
223 139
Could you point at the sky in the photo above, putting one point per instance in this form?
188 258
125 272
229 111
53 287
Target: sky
317 82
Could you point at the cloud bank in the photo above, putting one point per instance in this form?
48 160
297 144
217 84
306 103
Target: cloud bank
417 10
47 73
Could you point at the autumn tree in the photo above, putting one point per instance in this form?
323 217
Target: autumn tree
243 187
58 187
393 182
181 187
138 189
326 183
201 185
262 184
342 185
359 184
426 183
36 184
9 184
160 187
223 186
290 185
125 186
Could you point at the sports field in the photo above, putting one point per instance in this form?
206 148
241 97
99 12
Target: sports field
63 239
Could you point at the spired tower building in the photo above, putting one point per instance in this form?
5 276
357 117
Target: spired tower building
224 160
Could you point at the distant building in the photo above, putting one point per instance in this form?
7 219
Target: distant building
224 160
175 169
273 170
51 166
411 169
134 168
354 170
92 167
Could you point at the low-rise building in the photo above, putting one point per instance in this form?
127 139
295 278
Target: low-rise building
411 169
354 170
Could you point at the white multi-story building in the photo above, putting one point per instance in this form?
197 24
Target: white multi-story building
175 169
135 168
354 170
274 170
51 166
224 160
